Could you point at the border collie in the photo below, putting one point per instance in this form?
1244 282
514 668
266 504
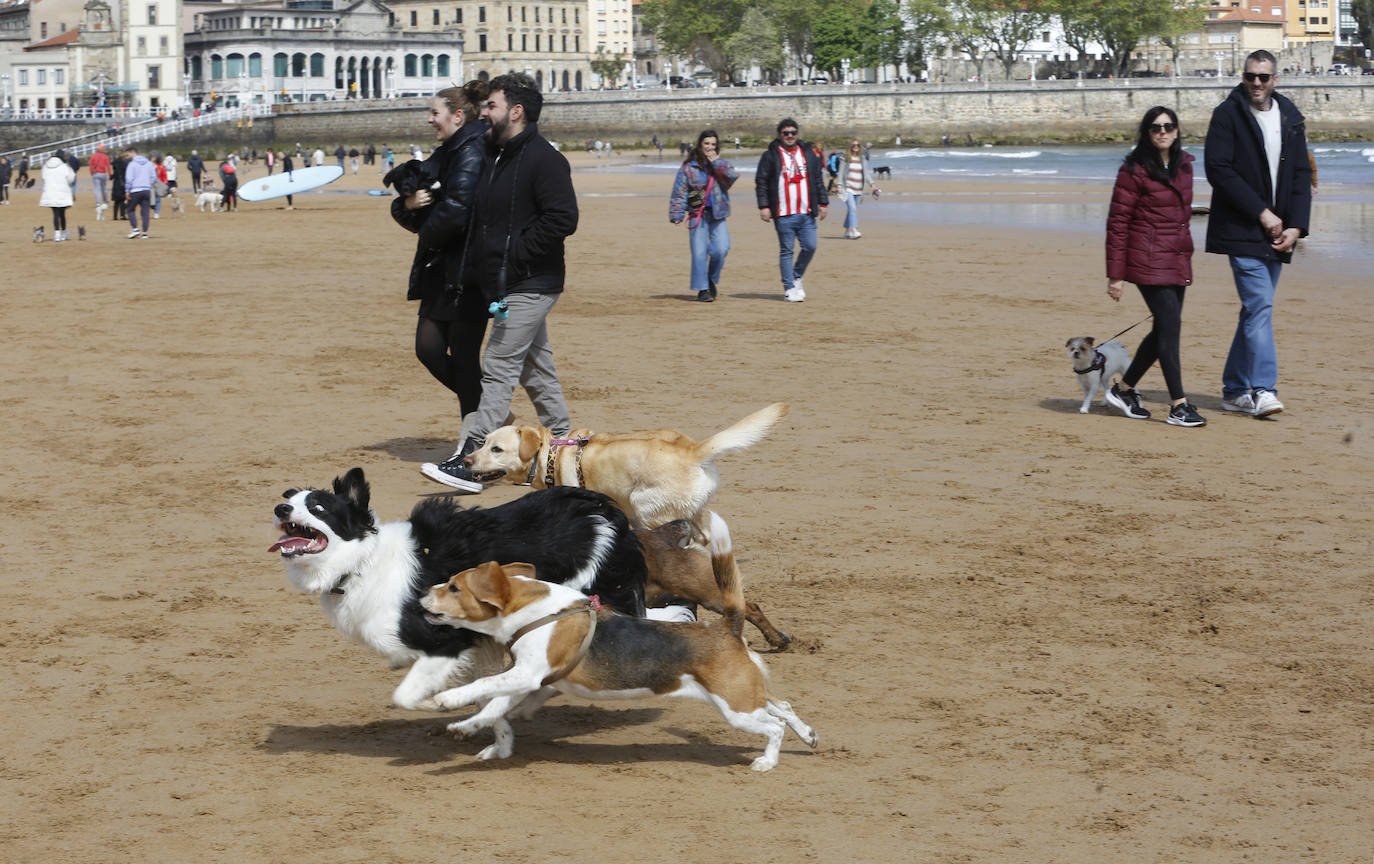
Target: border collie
370 576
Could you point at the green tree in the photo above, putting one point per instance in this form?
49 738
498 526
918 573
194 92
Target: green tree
609 68
882 34
965 33
1363 13
1177 23
928 21
695 28
1078 24
795 20
1007 28
757 43
838 36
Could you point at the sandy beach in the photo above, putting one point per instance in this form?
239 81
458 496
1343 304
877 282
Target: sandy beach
1023 634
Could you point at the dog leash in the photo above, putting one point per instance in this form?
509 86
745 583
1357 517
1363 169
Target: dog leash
591 607
1128 329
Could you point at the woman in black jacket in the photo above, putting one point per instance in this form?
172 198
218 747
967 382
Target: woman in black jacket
448 337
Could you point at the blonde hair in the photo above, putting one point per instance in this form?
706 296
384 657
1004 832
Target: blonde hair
465 100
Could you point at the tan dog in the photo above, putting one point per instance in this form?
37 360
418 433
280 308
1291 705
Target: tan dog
561 642
681 571
655 477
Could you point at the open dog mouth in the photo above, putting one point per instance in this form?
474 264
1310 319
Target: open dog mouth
486 477
298 540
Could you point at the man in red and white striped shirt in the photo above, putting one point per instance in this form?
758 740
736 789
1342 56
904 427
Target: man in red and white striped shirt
791 195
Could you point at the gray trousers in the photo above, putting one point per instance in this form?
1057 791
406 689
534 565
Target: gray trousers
518 352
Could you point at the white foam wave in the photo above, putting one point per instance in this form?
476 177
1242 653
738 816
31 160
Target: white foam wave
1034 171
964 154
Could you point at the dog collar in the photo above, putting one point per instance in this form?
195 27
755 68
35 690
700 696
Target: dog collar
590 607
1099 362
554 445
338 586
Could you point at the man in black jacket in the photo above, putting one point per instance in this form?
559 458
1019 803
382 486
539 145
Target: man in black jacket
791 195
1257 164
525 207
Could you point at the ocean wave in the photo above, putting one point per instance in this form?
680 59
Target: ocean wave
1034 171
962 154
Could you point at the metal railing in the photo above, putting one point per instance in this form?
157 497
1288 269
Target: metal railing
145 130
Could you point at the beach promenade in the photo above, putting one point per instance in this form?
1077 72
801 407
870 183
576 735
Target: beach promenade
1023 634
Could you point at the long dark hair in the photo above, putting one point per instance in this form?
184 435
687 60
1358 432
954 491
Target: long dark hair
1145 152
697 155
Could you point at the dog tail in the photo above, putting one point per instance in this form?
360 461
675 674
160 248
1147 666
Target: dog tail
727 574
744 433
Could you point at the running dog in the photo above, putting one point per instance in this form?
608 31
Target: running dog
681 572
38 234
655 477
81 232
1096 366
882 171
370 576
562 641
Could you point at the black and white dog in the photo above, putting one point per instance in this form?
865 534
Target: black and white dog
370 576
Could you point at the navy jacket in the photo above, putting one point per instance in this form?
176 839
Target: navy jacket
1238 170
770 165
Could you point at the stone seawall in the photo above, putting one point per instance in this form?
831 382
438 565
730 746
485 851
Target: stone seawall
1044 112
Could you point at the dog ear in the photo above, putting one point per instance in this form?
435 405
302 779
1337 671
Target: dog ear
519 568
529 443
353 486
488 584
1088 340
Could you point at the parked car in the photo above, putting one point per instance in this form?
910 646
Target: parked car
1368 70
1338 69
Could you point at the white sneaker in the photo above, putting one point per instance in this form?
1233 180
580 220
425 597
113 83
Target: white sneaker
857 234
1244 403
793 295
133 234
155 216
1266 403
797 286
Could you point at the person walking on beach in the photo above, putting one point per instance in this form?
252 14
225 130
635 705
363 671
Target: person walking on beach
1256 159
139 177
118 196
1148 243
853 180
287 167
791 195
6 173
58 178
100 179
448 336
196 166
525 208
701 197
270 160
229 185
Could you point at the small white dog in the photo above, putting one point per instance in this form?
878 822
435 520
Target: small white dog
1096 366
100 212
209 198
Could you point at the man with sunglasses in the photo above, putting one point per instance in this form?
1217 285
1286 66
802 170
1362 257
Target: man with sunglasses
790 192
1257 164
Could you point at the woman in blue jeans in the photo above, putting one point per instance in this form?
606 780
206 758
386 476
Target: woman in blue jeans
701 197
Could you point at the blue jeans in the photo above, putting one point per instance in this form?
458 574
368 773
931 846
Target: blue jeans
800 229
851 211
1253 363
710 242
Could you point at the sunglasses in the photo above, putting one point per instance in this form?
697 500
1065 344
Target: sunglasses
1162 127
1262 77
789 132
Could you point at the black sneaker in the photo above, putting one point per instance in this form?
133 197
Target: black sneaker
1127 403
712 289
453 473
1184 414
706 295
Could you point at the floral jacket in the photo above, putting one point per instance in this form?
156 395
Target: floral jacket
690 177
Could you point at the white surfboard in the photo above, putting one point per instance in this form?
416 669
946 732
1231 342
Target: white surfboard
298 181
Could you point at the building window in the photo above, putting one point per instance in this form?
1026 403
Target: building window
317 65
254 65
142 46
154 77
510 13
577 49
427 65
281 66
482 43
410 65
57 76
436 17
522 14
216 66
152 14
458 19
413 20
441 66
510 41
524 42
536 42
565 49
162 46
43 30
481 14
565 21
234 67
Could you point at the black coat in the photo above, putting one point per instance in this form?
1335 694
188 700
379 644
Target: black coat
1238 170
442 226
766 177
525 201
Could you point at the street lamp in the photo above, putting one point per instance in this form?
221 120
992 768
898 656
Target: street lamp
844 70
1219 55
185 82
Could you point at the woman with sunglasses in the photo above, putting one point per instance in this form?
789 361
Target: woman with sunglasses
1149 244
700 197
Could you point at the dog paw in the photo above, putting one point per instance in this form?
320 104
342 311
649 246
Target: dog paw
461 730
497 751
447 701
763 763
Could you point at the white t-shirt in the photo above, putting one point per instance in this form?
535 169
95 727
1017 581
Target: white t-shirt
170 163
1271 127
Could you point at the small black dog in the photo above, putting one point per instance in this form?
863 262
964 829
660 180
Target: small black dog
411 176
81 232
882 171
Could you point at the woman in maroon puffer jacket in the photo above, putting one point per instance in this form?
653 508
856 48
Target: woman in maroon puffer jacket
1148 243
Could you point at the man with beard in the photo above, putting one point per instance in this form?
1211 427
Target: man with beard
1257 163
525 206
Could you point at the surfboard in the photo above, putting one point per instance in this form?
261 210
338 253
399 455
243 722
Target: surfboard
298 181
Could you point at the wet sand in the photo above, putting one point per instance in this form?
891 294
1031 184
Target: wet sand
1022 633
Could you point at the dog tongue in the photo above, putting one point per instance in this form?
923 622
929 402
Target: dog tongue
288 543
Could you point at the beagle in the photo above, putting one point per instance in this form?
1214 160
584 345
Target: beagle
562 642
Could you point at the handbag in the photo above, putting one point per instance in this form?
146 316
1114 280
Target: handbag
700 201
161 189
